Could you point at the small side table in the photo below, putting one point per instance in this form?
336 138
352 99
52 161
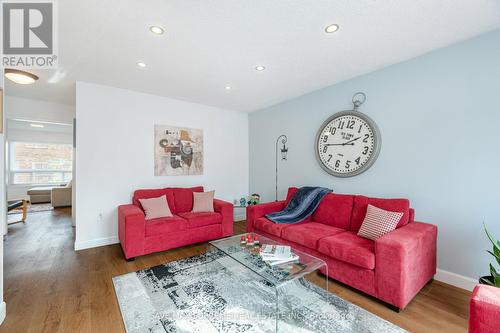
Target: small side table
242 216
19 204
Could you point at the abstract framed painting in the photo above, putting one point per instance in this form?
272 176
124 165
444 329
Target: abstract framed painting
178 151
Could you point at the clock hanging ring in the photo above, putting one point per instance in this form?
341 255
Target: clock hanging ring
348 143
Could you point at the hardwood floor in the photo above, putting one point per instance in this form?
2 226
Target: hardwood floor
51 288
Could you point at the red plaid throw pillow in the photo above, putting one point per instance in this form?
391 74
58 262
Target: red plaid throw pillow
378 222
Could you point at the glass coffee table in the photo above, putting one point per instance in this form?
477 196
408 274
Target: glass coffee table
276 277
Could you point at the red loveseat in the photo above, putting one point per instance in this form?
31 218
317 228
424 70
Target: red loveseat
138 236
393 268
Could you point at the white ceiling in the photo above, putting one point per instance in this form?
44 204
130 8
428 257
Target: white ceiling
209 44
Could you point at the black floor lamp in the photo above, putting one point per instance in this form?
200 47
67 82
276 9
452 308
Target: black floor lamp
284 152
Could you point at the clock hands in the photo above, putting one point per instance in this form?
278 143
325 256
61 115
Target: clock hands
348 143
351 142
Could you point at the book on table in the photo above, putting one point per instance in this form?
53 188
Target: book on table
277 254
291 259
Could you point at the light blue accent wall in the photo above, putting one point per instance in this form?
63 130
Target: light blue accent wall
439 116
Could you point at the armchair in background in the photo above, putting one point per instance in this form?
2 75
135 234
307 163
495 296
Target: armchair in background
61 196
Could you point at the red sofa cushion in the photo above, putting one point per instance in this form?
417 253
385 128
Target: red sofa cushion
183 198
272 228
394 205
350 248
308 234
165 225
154 193
201 219
335 210
411 216
289 194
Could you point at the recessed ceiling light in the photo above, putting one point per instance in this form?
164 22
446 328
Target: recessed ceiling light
260 68
37 125
20 77
156 30
141 64
227 87
331 28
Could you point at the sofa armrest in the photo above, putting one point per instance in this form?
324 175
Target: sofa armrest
60 196
405 261
256 211
484 309
227 210
131 230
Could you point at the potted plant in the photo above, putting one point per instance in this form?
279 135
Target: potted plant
254 199
494 278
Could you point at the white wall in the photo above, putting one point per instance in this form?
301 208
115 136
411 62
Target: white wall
32 109
439 122
115 156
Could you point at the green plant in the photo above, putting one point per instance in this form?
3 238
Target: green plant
495 253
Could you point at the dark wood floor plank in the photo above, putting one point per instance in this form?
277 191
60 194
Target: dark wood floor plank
51 288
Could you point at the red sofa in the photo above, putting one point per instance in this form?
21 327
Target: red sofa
485 310
139 237
393 268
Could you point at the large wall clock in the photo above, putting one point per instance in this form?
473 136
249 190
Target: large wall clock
348 142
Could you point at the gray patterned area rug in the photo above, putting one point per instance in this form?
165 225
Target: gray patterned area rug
213 293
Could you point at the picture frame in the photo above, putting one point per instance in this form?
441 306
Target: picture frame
178 151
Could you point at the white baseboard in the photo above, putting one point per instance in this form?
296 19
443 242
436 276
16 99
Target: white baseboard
96 243
3 311
456 280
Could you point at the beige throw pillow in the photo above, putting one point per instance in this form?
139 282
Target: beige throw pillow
203 202
156 207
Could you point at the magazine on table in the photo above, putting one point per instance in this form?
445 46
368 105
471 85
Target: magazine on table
277 254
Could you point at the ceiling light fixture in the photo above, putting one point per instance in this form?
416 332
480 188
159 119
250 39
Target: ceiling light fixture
330 29
37 125
141 64
20 77
227 87
259 68
157 30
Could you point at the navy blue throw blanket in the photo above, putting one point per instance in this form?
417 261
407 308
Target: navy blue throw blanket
304 202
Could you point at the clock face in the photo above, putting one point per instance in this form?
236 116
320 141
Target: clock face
347 144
